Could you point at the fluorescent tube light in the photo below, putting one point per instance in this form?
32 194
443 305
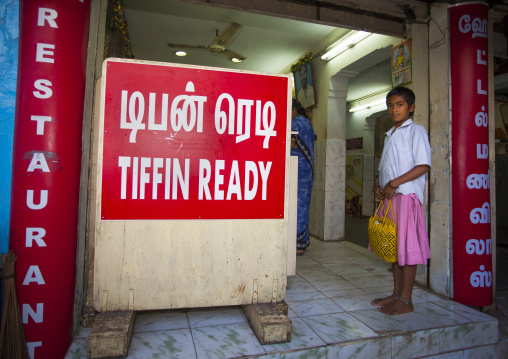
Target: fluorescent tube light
345 43
368 106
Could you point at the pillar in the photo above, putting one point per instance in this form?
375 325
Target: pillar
330 182
369 167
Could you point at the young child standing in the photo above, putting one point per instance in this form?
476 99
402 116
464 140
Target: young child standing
404 162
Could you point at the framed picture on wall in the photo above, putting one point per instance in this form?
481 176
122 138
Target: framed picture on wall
402 63
305 87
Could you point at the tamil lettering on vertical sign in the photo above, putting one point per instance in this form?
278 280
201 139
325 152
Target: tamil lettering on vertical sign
472 248
186 142
46 168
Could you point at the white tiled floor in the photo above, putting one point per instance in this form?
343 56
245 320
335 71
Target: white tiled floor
329 306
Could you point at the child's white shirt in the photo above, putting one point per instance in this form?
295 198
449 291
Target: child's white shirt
404 149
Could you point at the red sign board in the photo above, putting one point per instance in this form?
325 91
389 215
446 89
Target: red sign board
472 245
46 168
192 143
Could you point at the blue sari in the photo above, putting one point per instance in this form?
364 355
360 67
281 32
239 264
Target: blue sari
305 153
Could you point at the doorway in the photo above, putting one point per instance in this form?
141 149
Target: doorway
151 43
365 132
356 221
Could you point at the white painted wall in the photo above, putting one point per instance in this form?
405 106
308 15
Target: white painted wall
439 194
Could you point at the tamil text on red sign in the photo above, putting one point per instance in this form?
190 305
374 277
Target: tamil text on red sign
472 243
192 143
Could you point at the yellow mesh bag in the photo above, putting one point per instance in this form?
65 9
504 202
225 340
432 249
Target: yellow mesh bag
383 234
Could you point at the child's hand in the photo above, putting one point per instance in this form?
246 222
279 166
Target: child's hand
389 190
379 193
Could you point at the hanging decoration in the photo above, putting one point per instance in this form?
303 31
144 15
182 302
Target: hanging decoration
117 42
301 62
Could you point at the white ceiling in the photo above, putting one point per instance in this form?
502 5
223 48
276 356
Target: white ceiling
270 44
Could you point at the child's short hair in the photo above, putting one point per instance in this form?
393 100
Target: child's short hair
406 93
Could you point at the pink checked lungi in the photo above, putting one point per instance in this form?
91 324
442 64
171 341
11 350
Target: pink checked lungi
412 238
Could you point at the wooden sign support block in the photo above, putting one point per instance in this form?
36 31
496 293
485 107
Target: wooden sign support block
269 323
111 335
284 307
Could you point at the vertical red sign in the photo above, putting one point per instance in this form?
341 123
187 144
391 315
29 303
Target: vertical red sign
46 168
472 245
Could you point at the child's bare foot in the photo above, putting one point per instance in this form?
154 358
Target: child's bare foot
379 302
398 306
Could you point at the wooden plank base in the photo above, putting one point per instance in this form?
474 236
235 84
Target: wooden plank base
284 307
111 335
268 322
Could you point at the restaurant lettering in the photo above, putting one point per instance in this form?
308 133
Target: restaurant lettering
46 169
472 244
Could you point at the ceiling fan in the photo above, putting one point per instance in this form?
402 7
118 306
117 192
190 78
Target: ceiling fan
219 44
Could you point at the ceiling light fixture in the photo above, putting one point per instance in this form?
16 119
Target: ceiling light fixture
234 59
180 53
368 106
345 43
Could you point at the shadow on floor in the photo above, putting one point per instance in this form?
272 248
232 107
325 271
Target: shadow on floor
356 230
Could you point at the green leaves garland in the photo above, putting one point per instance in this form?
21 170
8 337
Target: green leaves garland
301 62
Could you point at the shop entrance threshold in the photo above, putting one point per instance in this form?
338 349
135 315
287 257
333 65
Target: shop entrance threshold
330 308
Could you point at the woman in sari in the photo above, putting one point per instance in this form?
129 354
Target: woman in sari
302 146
